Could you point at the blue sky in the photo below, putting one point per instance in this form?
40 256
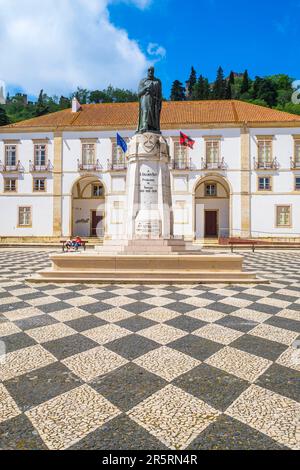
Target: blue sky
94 43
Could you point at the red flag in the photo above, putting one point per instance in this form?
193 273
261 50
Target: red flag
186 140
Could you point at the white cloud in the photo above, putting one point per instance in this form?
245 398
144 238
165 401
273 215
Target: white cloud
58 45
156 50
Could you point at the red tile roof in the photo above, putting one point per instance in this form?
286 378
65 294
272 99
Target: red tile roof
174 114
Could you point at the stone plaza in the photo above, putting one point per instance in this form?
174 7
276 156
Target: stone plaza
138 366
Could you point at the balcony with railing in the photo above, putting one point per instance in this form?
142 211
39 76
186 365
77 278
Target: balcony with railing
46 168
265 164
213 165
181 164
89 166
118 165
17 168
295 164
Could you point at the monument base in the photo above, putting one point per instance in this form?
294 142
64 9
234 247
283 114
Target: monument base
151 268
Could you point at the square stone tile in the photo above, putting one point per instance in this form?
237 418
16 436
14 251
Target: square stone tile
137 307
128 385
197 301
125 291
156 292
167 363
69 346
218 333
181 307
69 417
242 364
50 332
213 386
93 363
274 334
241 303
17 341
204 314
227 433
222 307
8 407
270 413
25 360
42 300
118 301
274 302
7 328
69 314
282 380
38 386
19 434
12 307
269 309
160 314
106 333
79 301
85 323
162 333
132 346
114 315
196 347
251 315
158 301
21 314
35 322
136 323
290 314
186 323
258 346
290 358
284 323
54 307
173 416
237 323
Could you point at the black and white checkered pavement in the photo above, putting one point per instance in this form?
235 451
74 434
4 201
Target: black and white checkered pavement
149 367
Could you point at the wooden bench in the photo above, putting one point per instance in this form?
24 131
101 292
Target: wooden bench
235 242
83 245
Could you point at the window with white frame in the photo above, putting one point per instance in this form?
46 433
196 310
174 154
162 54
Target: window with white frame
10 185
39 184
211 190
265 152
283 216
118 156
98 190
40 152
297 152
180 156
10 155
88 153
24 216
212 152
264 183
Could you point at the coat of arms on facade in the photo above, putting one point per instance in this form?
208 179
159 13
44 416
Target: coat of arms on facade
150 141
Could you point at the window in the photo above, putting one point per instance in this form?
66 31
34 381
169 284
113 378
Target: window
297 153
10 155
180 156
88 153
39 184
264 184
211 190
10 185
24 216
297 183
212 152
98 190
40 155
118 157
265 153
283 216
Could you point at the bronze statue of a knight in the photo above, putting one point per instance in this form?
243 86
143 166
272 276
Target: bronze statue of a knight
150 95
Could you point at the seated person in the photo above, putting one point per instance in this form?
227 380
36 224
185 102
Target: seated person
68 244
77 242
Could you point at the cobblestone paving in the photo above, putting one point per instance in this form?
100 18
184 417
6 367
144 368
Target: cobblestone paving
150 367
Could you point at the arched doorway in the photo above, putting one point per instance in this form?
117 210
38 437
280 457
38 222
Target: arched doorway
88 208
212 207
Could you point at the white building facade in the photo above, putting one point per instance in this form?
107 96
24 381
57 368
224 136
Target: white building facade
63 175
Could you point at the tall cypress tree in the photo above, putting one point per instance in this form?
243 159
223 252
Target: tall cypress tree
191 82
4 120
228 92
41 105
219 88
177 91
231 78
245 83
201 89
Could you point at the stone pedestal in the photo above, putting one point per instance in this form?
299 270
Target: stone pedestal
148 188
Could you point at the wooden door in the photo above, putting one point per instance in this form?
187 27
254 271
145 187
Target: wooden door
97 224
211 223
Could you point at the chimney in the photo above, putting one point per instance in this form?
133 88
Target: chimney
76 106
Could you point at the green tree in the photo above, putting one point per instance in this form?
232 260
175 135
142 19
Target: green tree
191 82
177 91
245 83
4 120
219 87
201 90
82 95
41 105
64 103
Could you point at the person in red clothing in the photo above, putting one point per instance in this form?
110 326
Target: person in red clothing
77 242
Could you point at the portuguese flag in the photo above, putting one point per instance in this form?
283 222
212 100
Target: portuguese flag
186 141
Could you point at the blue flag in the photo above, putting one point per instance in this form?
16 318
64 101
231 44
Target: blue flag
121 143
